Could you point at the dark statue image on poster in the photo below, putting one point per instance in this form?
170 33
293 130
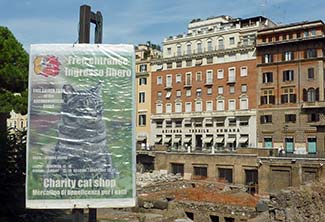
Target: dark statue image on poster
81 150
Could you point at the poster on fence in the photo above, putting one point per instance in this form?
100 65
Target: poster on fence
80 146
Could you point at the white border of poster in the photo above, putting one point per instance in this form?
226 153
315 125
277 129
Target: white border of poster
81 127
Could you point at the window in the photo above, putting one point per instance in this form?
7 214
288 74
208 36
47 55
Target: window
209 106
232 74
178 93
159 80
209 77
310 53
311 74
158 139
169 124
168 108
231 104
143 81
199 47
178 78
313 32
177 168
188 49
220 105
243 71
198 106
178 107
311 95
267 77
159 95
214 218
209 91
220 44
268 97
243 104
288 75
229 219
288 96
199 92
200 171
178 123
188 107
313 117
209 43
298 34
311 144
209 60
287 56
231 40
266 119
220 73
188 63
225 174
243 88
220 90
169 51
168 94
188 81
245 40
268 142
179 50
188 93
169 65
142 97
143 68
179 64
289 146
231 89
268 58
169 81
159 108
142 120
306 33
290 118
199 76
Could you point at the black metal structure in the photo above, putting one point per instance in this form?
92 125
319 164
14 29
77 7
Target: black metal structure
87 17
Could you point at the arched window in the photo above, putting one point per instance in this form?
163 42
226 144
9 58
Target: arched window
209 45
311 95
199 47
188 49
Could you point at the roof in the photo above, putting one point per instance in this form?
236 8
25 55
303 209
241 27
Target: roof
291 25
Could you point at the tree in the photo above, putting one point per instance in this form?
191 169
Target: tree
13 96
13 73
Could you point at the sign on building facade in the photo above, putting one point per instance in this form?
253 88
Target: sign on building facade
80 148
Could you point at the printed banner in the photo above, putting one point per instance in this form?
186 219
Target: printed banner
80 148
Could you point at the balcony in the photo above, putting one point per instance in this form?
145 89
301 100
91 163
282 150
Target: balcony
313 105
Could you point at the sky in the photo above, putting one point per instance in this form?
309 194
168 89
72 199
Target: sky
139 21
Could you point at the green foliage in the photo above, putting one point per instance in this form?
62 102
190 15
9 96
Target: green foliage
13 73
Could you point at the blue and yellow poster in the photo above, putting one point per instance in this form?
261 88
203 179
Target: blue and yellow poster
80 148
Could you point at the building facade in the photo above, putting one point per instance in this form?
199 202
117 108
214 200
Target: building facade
290 88
203 89
17 121
144 54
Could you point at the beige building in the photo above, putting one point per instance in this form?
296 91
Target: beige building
144 54
17 121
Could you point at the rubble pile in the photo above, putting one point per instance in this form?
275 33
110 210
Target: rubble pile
303 204
147 179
